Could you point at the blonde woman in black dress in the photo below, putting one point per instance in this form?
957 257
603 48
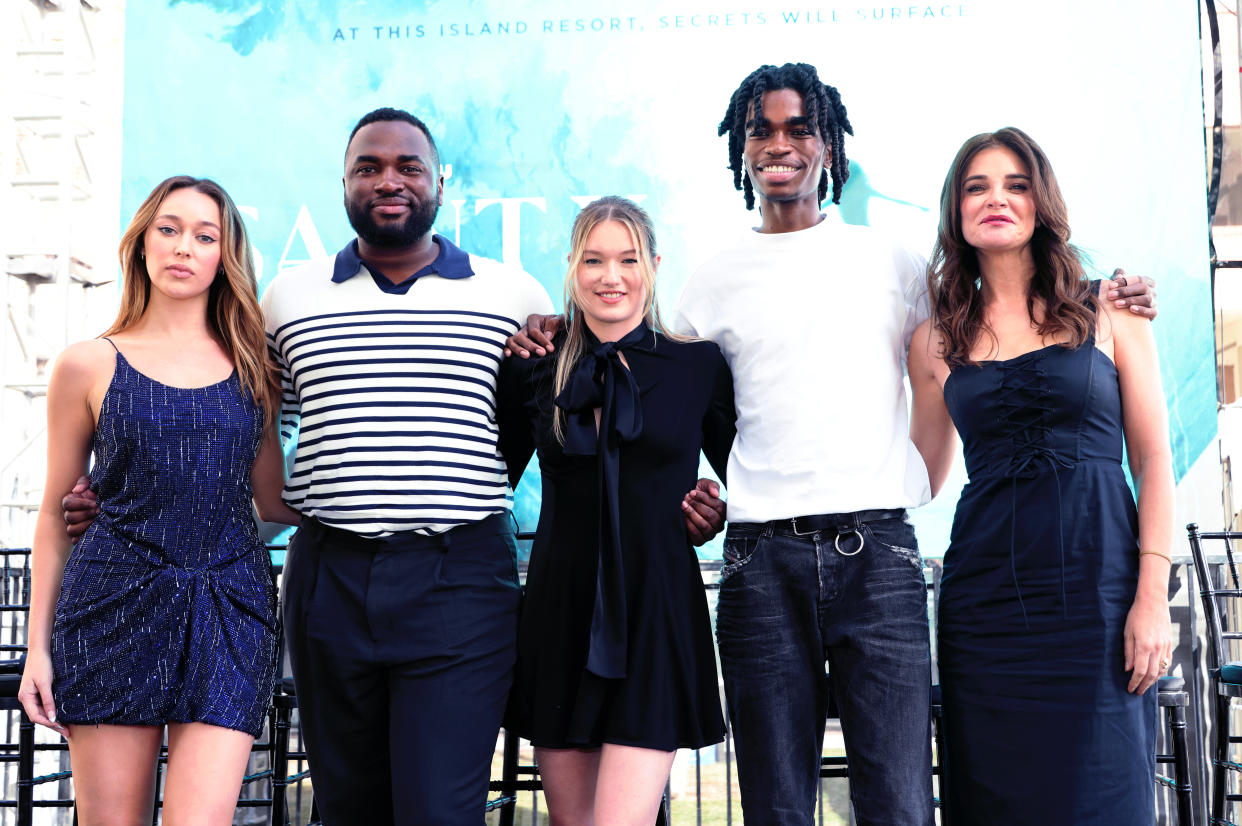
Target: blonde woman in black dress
616 668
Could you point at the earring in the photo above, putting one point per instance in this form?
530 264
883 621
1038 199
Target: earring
142 254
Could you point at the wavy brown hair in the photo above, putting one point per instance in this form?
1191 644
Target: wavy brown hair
232 302
953 277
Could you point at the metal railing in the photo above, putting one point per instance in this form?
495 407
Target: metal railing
279 766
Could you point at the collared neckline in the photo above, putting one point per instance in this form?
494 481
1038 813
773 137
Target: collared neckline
450 262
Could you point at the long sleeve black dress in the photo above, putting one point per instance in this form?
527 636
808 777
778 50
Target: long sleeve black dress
668 696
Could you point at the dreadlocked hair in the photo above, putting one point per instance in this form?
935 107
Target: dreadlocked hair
823 108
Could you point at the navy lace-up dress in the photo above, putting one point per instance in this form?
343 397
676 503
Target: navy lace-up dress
1039 576
167 611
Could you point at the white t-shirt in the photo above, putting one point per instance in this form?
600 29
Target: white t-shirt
815 325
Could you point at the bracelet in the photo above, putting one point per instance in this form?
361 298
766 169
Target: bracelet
1161 554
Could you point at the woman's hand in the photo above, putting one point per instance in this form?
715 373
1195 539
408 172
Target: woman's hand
35 692
1149 642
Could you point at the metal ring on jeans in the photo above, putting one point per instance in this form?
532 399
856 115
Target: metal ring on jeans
836 543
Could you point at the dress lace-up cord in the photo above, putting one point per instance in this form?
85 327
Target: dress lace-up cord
1024 400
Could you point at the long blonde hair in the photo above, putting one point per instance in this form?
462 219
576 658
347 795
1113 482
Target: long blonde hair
636 220
232 303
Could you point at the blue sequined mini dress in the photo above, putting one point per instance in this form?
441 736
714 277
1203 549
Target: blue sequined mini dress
167 609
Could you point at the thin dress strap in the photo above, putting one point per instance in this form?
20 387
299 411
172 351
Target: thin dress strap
1095 294
110 341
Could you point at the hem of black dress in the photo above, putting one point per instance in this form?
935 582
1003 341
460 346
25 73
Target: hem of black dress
637 743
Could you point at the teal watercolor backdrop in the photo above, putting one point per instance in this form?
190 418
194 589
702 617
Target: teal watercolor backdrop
537 106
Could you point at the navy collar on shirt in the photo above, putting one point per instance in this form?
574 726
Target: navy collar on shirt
451 262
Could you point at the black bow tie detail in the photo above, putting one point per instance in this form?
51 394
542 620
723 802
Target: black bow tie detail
600 380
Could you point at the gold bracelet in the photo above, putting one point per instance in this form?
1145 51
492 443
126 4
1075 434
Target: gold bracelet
1162 554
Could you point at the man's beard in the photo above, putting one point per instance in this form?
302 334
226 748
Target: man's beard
392 236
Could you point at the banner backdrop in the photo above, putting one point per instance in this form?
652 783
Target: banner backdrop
538 107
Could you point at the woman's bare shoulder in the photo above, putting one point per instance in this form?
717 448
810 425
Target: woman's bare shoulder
86 360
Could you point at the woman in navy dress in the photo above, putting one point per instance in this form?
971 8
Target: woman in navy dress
163 613
616 668
1054 619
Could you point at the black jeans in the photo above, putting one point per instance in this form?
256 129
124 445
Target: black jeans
853 595
402 652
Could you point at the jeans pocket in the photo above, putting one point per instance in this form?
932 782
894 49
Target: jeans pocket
739 549
897 536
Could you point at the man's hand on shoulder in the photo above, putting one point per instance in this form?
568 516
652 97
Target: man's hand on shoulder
536 335
1135 292
79 507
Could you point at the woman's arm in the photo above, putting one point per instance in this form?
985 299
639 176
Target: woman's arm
70 429
514 424
720 418
1148 637
267 481
931 428
702 508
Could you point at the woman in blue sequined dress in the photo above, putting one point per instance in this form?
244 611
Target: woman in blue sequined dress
1054 618
163 614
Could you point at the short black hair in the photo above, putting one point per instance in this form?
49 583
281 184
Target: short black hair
387 113
823 107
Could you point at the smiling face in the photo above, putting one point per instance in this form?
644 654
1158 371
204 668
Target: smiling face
998 208
784 156
610 287
392 184
181 245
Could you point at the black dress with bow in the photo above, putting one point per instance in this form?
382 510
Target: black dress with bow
615 642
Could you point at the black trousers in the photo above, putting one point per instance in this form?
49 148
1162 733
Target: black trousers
402 652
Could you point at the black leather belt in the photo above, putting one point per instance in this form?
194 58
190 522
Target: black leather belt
491 525
833 522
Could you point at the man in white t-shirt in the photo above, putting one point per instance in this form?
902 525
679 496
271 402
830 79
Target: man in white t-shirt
814 317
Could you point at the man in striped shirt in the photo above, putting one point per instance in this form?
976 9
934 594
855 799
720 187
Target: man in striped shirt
401 589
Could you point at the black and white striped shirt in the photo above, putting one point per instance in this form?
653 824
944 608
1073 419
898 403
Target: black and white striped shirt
390 390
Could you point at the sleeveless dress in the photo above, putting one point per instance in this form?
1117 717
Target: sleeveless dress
661 691
1039 577
167 609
